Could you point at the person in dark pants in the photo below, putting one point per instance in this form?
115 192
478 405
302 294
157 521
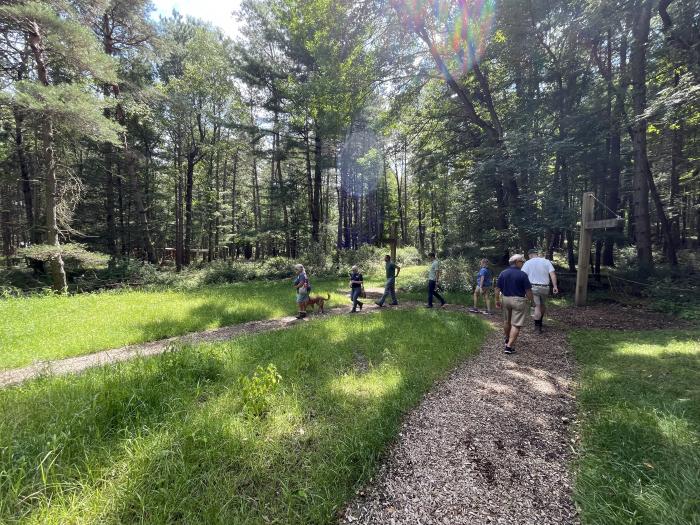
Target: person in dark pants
513 291
392 272
433 280
356 281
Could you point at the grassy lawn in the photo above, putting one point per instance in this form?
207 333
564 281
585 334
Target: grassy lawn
185 438
51 327
640 427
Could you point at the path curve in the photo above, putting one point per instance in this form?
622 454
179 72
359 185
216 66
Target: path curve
73 365
489 444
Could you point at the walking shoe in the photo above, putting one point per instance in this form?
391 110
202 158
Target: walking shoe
443 304
353 311
509 350
394 304
380 305
474 310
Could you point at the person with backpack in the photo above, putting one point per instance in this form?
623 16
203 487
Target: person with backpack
302 286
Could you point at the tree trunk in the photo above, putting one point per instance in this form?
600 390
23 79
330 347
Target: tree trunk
58 273
318 186
141 215
25 176
234 177
640 189
612 192
256 203
189 183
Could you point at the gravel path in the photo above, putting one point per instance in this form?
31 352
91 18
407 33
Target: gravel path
77 364
489 444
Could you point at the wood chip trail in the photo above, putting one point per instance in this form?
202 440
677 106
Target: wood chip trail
490 444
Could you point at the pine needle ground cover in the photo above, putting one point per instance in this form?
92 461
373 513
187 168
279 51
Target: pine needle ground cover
279 427
640 427
52 327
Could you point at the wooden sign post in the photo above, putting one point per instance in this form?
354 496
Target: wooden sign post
584 244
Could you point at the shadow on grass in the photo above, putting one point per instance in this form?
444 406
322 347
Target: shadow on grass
640 432
164 439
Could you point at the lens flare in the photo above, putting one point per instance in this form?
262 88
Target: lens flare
459 29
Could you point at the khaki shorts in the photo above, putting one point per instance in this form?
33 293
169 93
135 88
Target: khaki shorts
515 310
539 293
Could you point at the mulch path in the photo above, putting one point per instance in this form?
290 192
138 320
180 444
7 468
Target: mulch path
489 444
615 317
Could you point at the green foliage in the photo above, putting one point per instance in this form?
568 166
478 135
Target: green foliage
75 110
163 439
66 38
72 253
257 390
639 457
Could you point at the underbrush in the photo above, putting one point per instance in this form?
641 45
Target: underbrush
639 407
175 439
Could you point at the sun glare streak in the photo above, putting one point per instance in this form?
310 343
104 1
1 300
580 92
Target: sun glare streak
459 29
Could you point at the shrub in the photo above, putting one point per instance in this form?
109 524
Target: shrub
275 268
316 261
408 256
220 272
458 275
258 389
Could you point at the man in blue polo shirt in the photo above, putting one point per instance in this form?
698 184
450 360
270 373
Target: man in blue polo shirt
513 292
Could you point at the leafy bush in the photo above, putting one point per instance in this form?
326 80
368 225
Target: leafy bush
220 272
258 389
408 256
458 275
316 261
275 268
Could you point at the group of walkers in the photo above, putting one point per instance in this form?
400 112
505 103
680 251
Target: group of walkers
523 283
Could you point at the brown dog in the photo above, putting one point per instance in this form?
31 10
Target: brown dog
317 300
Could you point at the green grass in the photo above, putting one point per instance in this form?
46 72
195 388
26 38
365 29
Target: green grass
168 439
640 427
51 327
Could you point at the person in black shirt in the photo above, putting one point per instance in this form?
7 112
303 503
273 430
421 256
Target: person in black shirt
513 290
356 282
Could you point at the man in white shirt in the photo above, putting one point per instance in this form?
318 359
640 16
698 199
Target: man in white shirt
540 270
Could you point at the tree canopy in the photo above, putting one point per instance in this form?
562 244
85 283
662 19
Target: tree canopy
468 127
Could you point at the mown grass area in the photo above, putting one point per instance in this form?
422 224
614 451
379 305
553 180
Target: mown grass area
38 328
639 401
182 438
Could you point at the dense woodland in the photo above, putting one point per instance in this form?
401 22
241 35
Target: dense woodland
455 126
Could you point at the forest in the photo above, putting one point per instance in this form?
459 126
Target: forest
465 128
172 192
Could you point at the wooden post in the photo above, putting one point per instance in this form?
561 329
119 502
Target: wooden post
584 248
